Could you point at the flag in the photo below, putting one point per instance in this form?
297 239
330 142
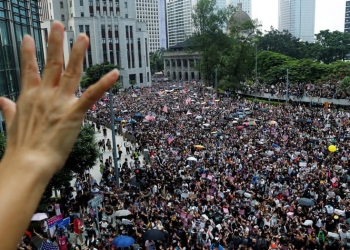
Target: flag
48 246
188 101
165 109
170 139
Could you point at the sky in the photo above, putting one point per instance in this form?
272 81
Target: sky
330 14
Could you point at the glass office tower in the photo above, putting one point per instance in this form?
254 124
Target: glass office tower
17 18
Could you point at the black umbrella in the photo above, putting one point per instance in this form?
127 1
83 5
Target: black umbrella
306 202
153 234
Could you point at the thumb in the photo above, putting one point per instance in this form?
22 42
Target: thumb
8 109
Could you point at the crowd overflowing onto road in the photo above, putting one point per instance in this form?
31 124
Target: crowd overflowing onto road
222 173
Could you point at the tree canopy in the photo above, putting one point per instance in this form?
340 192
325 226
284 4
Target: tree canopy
156 61
95 72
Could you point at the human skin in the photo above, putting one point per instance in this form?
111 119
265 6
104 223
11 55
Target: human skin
41 128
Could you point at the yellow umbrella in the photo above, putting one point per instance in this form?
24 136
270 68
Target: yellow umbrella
217 100
123 121
175 93
203 103
214 132
198 146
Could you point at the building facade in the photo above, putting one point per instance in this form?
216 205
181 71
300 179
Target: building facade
298 17
246 5
115 35
347 17
179 64
147 12
163 34
179 20
347 22
17 18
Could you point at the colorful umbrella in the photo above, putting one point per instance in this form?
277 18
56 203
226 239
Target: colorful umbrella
198 146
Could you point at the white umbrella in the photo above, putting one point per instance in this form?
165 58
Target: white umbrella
39 217
126 222
205 216
121 213
191 158
133 95
206 124
234 121
199 117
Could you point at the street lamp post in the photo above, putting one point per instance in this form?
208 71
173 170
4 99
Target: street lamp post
113 138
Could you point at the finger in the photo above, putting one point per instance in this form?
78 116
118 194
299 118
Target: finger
8 109
29 67
54 61
94 92
71 76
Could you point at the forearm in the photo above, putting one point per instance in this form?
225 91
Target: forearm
21 188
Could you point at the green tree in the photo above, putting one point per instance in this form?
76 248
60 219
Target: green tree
157 61
282 42
95 72
209 38
116 87
334 45
344 86
84 155
132 83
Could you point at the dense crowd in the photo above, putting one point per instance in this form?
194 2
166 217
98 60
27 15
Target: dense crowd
223 173
298 91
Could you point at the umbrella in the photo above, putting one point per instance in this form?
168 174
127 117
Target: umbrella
133 95
119 119
205 216
206 124
223 121
138 115
150 118
199 117
191 158
123 120
240 127
39 217
123 241
126 222
132 121
121 213
198 146
153 234
272 122
306 202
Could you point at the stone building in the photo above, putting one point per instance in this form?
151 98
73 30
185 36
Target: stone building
181 64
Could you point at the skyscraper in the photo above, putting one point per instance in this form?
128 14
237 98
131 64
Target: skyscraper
347 17
298 17
163 36
179 20
17 18
115 35
147 11
246 5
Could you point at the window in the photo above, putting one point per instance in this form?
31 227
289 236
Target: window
109 27
125 5
103 40
141 78
81 28
110 40
82 14
102 27
87 28
126 16
62 18
81 2
70 4
61 5
91 3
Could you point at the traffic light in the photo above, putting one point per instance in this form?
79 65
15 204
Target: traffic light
138 174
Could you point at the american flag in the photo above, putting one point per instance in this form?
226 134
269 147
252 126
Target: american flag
165 109
170 139
48 246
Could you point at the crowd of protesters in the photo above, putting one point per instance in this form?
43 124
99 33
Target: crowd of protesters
298 91
222 173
